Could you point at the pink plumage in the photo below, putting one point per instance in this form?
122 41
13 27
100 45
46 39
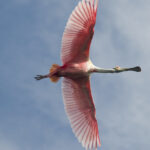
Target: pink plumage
79 32
77 96
76 70
80 109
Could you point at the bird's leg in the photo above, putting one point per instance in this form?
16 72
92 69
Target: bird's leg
39 77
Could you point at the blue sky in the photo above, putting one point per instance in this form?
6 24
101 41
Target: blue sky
32 114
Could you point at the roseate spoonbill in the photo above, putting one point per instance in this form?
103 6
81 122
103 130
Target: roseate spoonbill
76 70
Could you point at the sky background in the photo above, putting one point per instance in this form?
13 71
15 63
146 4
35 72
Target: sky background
32 115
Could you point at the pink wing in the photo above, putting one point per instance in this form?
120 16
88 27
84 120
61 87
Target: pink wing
79 32
80 109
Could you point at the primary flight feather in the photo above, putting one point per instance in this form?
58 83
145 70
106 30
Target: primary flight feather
76 69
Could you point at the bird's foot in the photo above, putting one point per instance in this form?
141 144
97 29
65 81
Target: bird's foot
39 77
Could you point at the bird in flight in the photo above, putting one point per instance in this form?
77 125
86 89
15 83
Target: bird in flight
76 70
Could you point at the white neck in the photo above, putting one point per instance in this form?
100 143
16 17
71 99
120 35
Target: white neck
102 70
115 70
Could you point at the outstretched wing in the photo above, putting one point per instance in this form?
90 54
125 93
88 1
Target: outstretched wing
80 109
79 32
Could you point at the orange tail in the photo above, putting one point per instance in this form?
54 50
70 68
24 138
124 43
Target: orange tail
53 70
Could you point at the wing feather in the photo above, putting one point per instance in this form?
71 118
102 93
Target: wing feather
80 109
79 32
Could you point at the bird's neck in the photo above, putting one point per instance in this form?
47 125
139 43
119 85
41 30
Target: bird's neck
116 69
102 70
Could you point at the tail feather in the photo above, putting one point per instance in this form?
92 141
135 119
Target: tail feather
53 70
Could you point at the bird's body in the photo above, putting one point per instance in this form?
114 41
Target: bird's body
76 70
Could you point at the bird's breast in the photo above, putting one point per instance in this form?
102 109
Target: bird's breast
76 70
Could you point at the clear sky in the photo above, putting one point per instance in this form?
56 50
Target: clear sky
32 115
